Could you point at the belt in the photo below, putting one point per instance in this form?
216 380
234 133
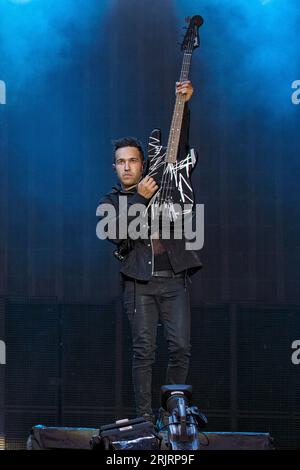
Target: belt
167 273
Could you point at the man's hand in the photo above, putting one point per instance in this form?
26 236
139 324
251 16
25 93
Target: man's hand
185 88
147 187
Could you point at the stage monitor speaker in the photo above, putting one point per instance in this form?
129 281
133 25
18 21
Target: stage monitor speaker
235 441
125 434
52 438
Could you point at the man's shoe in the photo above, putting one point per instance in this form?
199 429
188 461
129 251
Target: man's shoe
162 428
149 417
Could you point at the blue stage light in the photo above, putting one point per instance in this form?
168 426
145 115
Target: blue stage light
20 1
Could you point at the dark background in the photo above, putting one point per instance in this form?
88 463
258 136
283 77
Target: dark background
78 76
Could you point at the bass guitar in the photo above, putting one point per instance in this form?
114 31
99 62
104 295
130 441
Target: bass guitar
175 194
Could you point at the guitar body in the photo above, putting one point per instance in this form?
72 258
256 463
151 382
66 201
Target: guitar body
175 193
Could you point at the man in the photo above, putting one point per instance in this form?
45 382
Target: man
153 271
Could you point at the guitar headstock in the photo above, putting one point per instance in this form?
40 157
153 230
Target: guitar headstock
191 38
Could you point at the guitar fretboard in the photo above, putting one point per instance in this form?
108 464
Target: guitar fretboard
175 130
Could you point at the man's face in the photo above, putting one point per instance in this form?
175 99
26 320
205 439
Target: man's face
129 166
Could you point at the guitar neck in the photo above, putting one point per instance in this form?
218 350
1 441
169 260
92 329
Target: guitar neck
175 129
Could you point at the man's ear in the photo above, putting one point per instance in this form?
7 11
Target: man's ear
114 166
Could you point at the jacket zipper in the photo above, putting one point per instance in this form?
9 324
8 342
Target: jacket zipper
152 256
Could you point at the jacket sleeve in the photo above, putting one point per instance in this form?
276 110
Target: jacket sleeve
114 212
184 147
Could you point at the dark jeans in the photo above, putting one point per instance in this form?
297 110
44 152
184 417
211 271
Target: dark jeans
167 300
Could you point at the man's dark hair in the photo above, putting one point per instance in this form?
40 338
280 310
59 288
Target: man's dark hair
128 142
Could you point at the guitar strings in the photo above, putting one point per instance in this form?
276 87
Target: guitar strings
184 70
166 183
167 176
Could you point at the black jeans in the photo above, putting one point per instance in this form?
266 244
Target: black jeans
167 300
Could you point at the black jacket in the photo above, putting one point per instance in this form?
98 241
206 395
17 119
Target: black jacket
139 260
